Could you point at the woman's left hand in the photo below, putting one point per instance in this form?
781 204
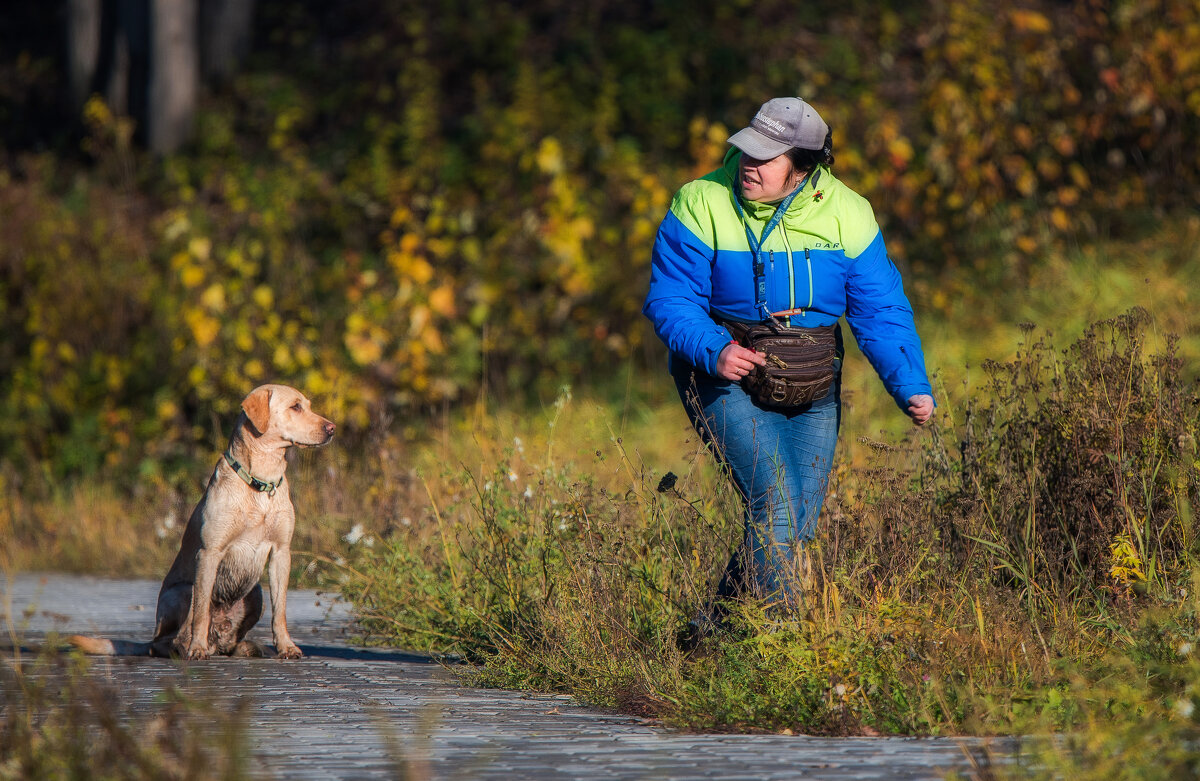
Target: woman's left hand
920 408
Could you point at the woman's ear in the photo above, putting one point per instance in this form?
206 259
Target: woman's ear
257 407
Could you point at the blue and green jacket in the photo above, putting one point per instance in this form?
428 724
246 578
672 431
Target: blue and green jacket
824 260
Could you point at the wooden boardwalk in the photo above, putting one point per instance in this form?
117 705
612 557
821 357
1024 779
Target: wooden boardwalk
346 712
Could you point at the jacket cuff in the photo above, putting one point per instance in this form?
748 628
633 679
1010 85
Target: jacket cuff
713 347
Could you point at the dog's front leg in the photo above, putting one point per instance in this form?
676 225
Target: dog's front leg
207 561
280 571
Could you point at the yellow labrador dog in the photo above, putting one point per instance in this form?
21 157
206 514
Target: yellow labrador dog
211 596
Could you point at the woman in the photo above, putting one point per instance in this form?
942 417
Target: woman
772 236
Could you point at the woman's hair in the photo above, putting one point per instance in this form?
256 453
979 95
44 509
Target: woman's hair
808 159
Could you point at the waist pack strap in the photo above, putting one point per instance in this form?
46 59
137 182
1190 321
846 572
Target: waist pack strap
741 332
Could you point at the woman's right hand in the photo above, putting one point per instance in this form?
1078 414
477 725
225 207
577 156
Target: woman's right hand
735 362
920 408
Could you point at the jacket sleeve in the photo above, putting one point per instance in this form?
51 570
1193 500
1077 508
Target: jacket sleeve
881 318
681 285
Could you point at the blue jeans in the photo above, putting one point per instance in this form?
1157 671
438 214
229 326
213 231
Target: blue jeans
779 462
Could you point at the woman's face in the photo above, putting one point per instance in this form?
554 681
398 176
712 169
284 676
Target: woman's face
768 180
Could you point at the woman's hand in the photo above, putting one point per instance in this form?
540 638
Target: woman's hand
735 362
920 408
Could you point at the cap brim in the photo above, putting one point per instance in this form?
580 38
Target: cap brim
758 146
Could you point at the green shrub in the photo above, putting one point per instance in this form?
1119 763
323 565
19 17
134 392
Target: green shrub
1078 473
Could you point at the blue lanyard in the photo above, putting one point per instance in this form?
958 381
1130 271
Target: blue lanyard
760 275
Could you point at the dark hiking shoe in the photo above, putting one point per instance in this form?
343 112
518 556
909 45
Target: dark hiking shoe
696 634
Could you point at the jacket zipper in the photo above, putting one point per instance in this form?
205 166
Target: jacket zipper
771 266
808 261
791 273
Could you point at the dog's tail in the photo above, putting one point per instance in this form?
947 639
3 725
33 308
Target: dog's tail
99 646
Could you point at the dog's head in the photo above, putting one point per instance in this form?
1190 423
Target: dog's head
283 413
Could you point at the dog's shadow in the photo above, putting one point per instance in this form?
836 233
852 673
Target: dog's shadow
36 645
360 654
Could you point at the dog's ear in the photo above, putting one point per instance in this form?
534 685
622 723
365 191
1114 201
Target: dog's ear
257 407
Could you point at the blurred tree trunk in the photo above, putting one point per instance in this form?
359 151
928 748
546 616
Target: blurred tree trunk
108 50
83 48
225 27
148 57
174 83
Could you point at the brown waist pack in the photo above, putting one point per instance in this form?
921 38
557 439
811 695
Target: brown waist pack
800 362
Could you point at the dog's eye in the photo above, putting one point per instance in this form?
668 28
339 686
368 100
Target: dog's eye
296 407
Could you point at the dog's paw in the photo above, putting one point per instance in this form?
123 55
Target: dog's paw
196 653
248 649
289 652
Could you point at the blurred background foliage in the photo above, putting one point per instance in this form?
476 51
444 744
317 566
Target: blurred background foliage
398 205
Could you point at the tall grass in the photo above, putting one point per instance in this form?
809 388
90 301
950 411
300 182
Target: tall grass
1040 522
57 721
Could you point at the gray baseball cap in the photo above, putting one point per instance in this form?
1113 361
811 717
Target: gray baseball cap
781 123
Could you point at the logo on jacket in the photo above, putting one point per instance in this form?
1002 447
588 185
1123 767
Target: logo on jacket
818 195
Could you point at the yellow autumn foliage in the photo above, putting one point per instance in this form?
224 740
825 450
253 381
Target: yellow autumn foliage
482 215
